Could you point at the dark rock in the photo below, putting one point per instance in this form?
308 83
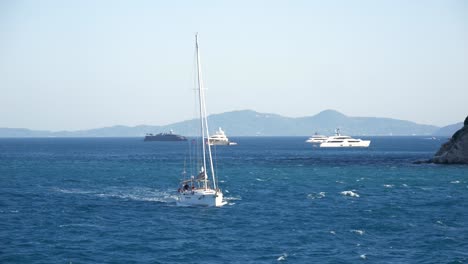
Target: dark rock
455 151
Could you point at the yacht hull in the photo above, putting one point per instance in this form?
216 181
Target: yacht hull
201 198
361 144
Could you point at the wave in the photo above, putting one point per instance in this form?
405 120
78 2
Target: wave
357 231
79 225
313 196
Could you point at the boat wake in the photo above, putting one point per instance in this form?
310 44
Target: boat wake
134 193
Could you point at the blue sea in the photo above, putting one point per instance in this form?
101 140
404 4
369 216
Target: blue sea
112 200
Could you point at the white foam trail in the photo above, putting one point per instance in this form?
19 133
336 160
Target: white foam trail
456 182
73 191
135 193
232 198
350 193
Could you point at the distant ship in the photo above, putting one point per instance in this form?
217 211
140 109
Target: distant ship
165 137
220 139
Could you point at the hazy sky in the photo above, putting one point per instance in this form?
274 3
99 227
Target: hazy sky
67 65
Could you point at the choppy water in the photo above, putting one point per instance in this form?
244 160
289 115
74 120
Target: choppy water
113 201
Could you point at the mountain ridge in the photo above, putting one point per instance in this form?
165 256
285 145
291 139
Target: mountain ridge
251 123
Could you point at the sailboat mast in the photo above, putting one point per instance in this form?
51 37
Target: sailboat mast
201 103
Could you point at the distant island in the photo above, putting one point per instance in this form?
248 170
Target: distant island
252 123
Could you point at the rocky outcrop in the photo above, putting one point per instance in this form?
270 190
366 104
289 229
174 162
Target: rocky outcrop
455 151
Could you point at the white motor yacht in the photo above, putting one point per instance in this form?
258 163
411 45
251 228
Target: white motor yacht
339 141
219 138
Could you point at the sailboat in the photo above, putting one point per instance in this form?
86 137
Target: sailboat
199 190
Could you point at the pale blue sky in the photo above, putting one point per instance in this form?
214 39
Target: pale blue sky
67 65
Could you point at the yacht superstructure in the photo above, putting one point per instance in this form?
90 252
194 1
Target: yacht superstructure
317 139
220 138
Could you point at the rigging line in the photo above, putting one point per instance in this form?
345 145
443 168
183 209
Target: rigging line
196 150
216 163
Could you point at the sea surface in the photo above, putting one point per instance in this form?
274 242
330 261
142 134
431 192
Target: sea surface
112 200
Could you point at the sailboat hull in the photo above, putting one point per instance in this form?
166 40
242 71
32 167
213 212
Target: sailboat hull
201 198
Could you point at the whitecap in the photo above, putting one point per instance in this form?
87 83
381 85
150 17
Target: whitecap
313 196
260 180
363 256
357 231
332 232
388 185
350 193
456 182
282 257
405 185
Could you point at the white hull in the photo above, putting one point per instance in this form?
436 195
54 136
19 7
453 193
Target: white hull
201 197
344 144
